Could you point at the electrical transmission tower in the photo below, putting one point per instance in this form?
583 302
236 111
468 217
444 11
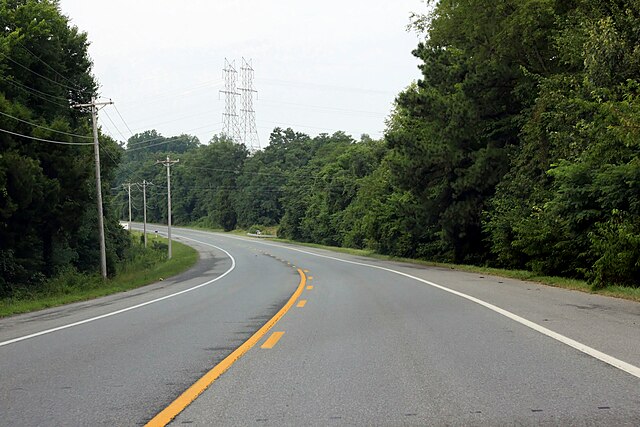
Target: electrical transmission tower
230 123
247 113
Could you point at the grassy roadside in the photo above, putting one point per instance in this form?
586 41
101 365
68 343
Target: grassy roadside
628 293
146 267
623 292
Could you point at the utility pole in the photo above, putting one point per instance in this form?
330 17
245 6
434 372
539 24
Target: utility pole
168 163
144 208
128 185
96 150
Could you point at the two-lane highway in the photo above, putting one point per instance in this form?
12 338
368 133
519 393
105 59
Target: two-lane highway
366 342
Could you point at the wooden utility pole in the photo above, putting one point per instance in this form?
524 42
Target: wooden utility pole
96 151
168 163
128 185
144 208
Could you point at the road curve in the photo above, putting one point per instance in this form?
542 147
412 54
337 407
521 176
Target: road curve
367 342
119 360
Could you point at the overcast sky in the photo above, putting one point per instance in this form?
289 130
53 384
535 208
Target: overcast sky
319 66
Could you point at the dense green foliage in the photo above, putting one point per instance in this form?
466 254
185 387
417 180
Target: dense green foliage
518 147
47 197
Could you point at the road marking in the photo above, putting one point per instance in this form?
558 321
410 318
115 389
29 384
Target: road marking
306 271
272 340
610 360
301 303
189 395
309 287
124 310
310 277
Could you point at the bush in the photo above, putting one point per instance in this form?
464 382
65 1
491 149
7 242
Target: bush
617 243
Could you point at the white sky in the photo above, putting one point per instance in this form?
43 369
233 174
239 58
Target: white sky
319 66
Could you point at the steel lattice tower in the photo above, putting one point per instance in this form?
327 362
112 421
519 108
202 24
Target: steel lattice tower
247 113
230 122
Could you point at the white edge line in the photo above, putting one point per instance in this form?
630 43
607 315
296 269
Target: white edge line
617 363
124 310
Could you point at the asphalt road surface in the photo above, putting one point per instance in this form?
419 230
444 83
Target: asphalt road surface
367 342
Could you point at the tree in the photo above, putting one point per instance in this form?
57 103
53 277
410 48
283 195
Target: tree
46 197
452 132
569 204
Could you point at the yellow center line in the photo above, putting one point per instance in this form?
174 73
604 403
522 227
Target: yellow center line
306 271
310 278
272 340
301 303
309 287
190 394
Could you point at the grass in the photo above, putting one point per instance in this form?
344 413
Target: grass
146 266
623 292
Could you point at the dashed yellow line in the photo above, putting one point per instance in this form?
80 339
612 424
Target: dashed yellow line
309 287
189 395
272 340
301 303
310 278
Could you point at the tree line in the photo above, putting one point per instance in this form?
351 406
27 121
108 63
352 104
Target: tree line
518 148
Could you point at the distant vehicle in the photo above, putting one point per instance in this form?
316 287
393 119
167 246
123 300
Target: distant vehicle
124 225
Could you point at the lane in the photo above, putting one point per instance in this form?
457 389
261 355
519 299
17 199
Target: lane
606 324
125 368
374 347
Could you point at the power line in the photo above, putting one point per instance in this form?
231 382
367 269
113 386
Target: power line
151 145
105 151
123 121
324 86
114 125
109 132
168 140
180 189
45 140
36 93
8 80
121 164
45 63
165 137
316 127
319 107
203 113
44 77
160 96
44 127
281 174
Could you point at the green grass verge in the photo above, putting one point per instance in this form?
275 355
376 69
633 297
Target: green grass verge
623 292
146 266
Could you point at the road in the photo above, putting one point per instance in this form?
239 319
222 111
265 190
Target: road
373 343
